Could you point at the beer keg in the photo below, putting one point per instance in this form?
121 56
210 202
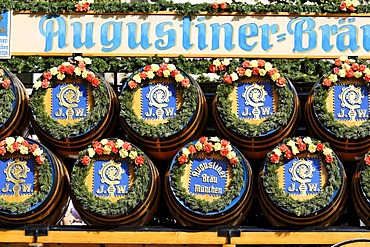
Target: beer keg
34 183
256 108
72 106
337 110
302 183
209 183
14 110
114 183
162 109
361 189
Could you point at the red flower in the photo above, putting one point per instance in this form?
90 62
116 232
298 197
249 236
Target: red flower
329 158
280 82
224 143
349 73
367 77
255 71
95 82
208 147
160 72
355 67
234 160
85 160
2 143
338 62
112 146
2 150
223 5
163 66
284 148
320 147
143 75
98 148
224 151
70 69
6 83
288 154
139 160
261 63
147 68
212 68
352 8
343 6
203 139
47 75
192 149
174 73
132 84
228 79
62 68
367 160
274 158
15 146
240 71
301 146
362 67
33 147
182 159
222 67
272 71
127 146
82 65
25 143
185 83
215 5
45 84
246 64
90 77
326 82
336 70
40 159
79 7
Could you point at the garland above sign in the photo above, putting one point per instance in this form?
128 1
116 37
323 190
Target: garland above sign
167 34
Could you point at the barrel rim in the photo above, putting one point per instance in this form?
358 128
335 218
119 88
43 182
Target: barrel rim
175 124
269 177
45 177
272 123
53 127
238 181
136 193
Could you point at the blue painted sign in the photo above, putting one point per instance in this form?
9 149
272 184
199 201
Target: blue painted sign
4 34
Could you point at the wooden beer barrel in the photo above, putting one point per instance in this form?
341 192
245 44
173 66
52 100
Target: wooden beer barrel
14 110
302 183
256 108
360 189
162 109
209 183
337 110
72 106
114 183
34 183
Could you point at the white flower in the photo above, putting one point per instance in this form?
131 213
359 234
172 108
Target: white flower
107 149
137 78
248 72
19 139
275 76
367 71
104 141
66 64
37 85
262 72
91 152
277 151
150 74
9 140
166 73
307 140
78 71
291 143
254 63
198 145
268 66
37 152
216 62
295 150
84 74
355 3
234 76
23 149
185 151
10 149
90 1
226 62
357 74
312 148
231 154
214 139
344 58
133 155
217 146
119 143
346 66
54 71
154 67
123 153
171 67
87 60
342 73
78 58
60 76
327 151
1 72
333 78
179 77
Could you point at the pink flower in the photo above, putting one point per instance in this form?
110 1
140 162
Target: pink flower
272 71
192 149
326 82
343 6
174 73
234 160
33 147
15 146
224 143
367 160
261 63
185 83
223 5
240 71
47 75
336 70
329 158
284 148
143 75
208 147
70 69
203 139
6 83
215 5
45 83
127 146
349 73
98 148
40 159
246 64
25 143
280 82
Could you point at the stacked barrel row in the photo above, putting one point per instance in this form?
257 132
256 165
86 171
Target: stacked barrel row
163 114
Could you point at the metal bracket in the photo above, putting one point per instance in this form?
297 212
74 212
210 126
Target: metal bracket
229 233
36 230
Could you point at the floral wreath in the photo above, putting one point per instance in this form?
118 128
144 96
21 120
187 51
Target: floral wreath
365 175
344 68
183 158
230 81
20 145
284 152
7 96
174 124
77 69
349 5
120 149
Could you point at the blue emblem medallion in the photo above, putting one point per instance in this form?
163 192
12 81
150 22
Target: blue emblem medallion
351 103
